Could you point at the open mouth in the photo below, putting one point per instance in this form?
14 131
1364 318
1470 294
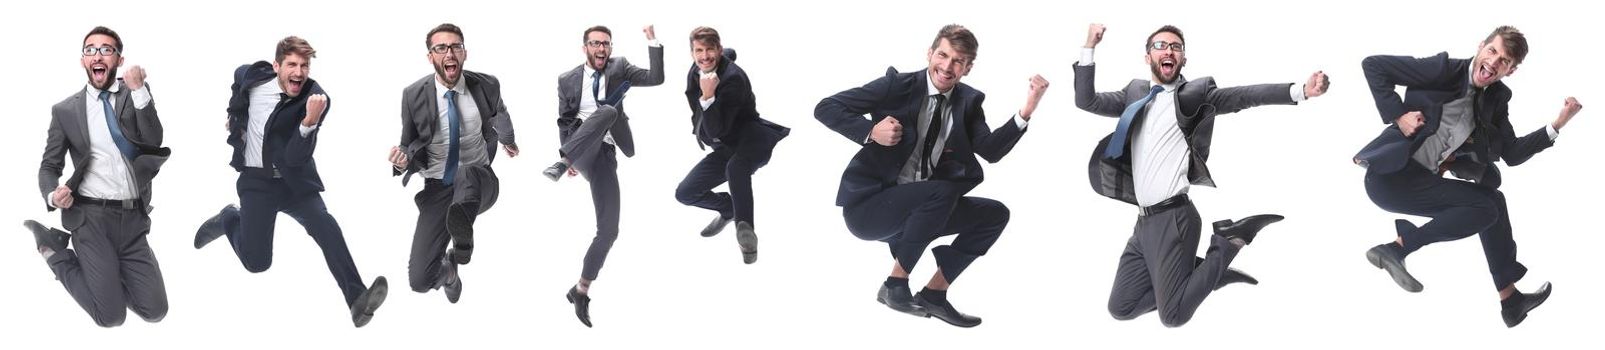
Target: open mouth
293 86
1167 67
99 72
1485 72
451 68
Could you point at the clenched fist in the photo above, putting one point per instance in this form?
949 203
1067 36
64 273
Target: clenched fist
887 132
316 104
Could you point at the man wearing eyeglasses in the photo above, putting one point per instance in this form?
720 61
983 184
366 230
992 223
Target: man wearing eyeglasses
591 124
916 162
450 123
724 116
274 117
115 138
1158 149
1454 118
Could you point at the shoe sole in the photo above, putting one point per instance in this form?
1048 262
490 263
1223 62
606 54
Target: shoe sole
916 311
1400 277
376 297
749 246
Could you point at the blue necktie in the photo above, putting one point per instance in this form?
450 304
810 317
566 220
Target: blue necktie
451 141
596 87
1117 145
117 137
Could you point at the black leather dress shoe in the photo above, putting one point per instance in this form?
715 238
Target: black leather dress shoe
748 240
460 224
582 305
1515 308
47 237
555 171
454 282
717 225
1246 228
899 298
944 311
216 226
1386 256
362 310
1235 276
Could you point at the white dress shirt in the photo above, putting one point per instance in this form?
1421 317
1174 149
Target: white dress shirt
588 102
109 176
470 138
264 99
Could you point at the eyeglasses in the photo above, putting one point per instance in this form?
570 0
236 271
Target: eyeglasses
443 48
1161 45
100 50
599 44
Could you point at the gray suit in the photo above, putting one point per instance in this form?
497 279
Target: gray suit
475 188
582 143
1158 269
113 268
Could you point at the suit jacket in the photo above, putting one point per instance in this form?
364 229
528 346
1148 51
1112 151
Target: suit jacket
283 147
420 119
902 96
618 71
1430 83
1197 104
732 120
69 135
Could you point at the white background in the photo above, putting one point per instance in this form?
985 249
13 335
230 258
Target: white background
1045 283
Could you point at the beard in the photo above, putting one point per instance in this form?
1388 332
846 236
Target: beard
1154 67
111 78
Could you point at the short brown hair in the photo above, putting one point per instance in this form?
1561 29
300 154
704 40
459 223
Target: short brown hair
1515 42
296 45
706 35
443 27
960 38
603 29
1166 29
107 32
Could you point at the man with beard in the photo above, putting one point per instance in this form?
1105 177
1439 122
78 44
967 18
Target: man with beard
450 124
590 124
1156 152
274 116
907 194
115 138
1455 118
724 116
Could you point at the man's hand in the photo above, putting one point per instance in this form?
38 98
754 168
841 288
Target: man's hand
316 104
1410 122
1033 95
709 83
398 158
512 149
650 33
1567 112
1317 85
887 132
134 77
62 197
1094 35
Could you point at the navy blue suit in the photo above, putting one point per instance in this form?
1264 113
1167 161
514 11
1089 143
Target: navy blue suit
287 182
1397 183
741 141
909 216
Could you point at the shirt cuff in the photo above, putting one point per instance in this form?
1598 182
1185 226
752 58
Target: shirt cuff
1552 132
306 130
706 103
1086 57
141 97
1297 92
1020 122
655 43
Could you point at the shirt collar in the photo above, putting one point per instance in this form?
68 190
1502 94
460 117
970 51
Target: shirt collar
440 89
93 92
588 70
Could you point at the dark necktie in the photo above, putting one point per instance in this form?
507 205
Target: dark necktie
1117 145
453 118
127 148
928 162
596 86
